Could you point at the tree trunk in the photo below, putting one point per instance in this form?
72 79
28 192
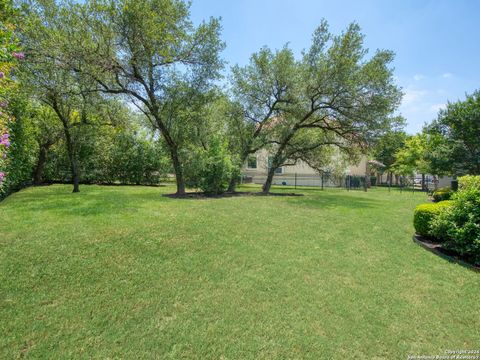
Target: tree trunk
42 159
233 181
177 167
268 182
72 158
76 177
70 148
173 148
367 177
277 160
390 178
423 182
233 184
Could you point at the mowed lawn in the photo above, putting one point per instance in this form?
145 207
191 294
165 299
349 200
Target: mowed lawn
124 272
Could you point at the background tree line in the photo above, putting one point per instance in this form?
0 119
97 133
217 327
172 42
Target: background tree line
448 145
129 91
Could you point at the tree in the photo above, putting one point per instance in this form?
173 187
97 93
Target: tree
410 158
459 125
45 37
339 95
50 77
10 54
261 91
47 133
150 52
424 153
386 149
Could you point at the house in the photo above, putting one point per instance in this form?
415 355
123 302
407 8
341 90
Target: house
301 174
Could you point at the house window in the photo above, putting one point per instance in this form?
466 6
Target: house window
278 170
252 162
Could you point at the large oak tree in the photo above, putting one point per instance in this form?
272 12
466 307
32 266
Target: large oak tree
150 52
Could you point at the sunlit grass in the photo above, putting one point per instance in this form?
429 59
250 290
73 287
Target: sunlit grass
124 272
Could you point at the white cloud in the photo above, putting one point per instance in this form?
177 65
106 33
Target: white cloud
418 77
412 96
435 108
447 75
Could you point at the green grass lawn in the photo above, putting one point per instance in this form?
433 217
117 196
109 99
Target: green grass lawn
124 272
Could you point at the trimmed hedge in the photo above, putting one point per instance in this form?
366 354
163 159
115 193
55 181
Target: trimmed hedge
424 215
469 182
442 194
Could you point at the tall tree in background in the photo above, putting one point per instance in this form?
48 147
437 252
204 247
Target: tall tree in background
48 132
263 89
339 94
47 33
411 158
386 148
150 52
459 125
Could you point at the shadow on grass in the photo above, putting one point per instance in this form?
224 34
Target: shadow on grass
91 200
201 195
97 200
336 200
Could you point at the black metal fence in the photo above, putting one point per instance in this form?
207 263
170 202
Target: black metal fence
324 180
348 182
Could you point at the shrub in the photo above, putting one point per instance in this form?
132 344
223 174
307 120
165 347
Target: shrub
459 226
442 194
469 182
424 215
210 169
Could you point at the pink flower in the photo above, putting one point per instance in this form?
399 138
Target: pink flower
1 74
2 176
3 104
4 140
18 55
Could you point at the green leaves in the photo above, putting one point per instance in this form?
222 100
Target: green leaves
459 126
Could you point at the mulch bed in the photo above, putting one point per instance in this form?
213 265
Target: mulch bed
446 254
201 195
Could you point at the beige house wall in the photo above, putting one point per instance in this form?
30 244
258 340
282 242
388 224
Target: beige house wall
300 174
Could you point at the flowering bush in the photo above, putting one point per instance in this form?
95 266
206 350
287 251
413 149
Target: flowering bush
9 55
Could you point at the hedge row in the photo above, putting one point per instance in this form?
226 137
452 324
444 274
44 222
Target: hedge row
424 215
454 223
442 194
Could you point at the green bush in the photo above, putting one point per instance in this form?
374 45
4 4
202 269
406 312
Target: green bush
217 169
469 182
459 227
442 194
110 157
21 155
424 215
209 169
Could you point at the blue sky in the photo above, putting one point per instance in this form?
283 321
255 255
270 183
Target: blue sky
437 42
